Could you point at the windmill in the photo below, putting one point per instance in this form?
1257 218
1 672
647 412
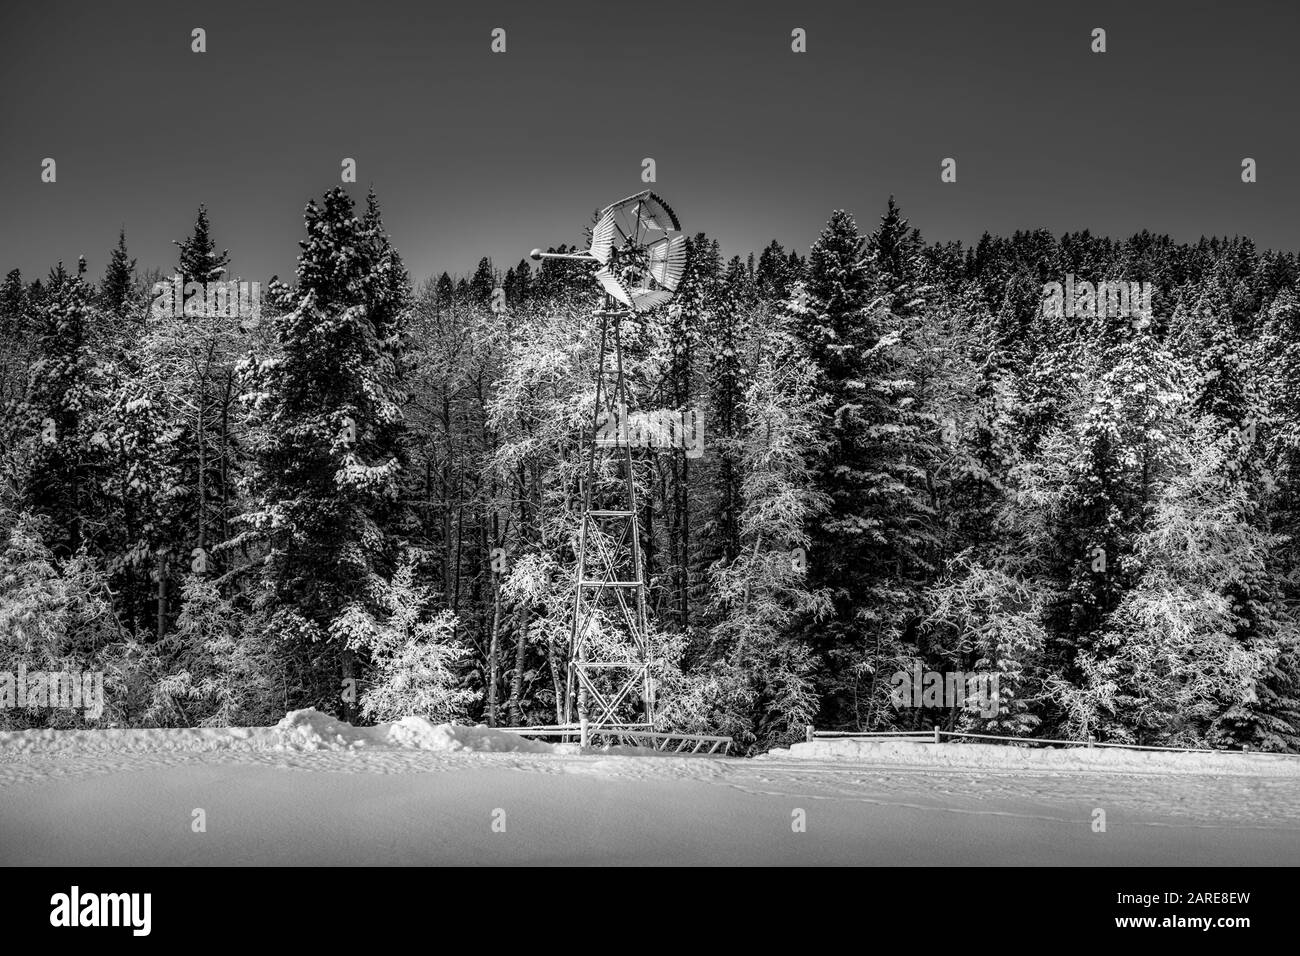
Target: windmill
639 252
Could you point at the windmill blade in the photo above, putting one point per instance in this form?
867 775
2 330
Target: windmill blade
645 301
665 218
628 201
638 230
667 260
602 236
615 288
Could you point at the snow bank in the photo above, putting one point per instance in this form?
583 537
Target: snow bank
299 730
139 740
418 733
1004 757
311 730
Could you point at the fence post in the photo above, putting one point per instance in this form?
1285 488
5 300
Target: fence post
808 733
936 733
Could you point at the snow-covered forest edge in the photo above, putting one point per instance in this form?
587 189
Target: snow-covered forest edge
363 496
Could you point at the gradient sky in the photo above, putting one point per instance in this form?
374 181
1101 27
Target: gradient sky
477 154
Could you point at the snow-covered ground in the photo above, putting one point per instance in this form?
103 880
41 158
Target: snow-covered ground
316 791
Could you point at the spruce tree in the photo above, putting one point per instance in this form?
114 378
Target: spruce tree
482 283
16 333
893 251
117 288
773 275
725 374
65 399
331 455
199 260
870 545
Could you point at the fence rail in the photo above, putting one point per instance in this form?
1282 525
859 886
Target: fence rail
937 736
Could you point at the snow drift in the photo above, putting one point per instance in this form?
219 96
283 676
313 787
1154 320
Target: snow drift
311 730
1007 757
300 730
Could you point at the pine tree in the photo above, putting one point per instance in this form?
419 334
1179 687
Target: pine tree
183 397
482 283
773 275
445 292
893 251
16 333
870 547
199 260
144 480
117 289
1089 491
65 397
724 335
517 284
331 455
682 384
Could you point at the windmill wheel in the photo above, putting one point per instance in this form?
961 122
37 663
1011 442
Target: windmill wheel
639 245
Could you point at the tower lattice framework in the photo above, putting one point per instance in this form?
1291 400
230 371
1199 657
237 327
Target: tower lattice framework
610 649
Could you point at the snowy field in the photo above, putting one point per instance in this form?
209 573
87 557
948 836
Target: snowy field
314 791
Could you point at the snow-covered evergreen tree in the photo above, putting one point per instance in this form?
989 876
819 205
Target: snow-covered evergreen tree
118 288
68 384
876 443
327 406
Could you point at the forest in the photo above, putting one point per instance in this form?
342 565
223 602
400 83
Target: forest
363 495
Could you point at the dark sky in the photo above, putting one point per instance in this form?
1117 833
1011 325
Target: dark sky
479 154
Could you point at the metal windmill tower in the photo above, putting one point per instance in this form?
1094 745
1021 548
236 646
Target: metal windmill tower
640 251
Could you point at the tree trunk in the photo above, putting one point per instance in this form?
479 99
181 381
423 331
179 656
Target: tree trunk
517 683
201 436
162 596
348 662
225 455
493 665
555 681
